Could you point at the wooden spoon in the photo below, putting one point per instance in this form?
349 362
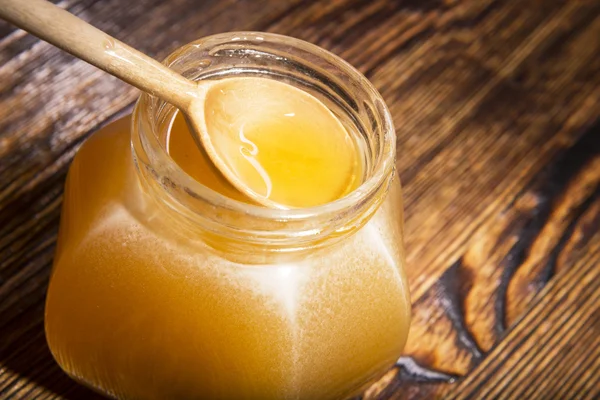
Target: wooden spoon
62 29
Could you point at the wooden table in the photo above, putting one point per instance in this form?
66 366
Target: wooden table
496 103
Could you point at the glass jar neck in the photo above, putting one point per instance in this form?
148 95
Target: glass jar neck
241 228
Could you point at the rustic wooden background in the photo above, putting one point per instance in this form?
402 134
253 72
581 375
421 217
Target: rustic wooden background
496 103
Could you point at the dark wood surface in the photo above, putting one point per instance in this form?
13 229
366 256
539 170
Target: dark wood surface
497 106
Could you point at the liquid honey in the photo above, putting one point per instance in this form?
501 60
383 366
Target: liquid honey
138 311
282 143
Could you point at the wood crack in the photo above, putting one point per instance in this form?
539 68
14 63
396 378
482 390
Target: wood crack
548 271
547 187
410 370
451 297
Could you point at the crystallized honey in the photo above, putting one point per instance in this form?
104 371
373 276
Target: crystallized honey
140 308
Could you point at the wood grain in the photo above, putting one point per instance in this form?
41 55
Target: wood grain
526 363
496 104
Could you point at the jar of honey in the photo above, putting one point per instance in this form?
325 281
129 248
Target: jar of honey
169 284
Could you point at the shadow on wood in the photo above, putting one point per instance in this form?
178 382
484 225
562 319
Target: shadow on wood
30 361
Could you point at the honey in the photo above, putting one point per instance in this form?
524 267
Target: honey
141 306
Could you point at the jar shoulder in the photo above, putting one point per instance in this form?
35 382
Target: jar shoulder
100 177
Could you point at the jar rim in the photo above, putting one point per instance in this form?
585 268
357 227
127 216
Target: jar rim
382 170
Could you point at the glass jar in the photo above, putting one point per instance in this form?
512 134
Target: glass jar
164 289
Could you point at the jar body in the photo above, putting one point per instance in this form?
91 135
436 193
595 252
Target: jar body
136 312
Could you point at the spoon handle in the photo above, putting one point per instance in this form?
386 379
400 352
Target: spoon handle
64 30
